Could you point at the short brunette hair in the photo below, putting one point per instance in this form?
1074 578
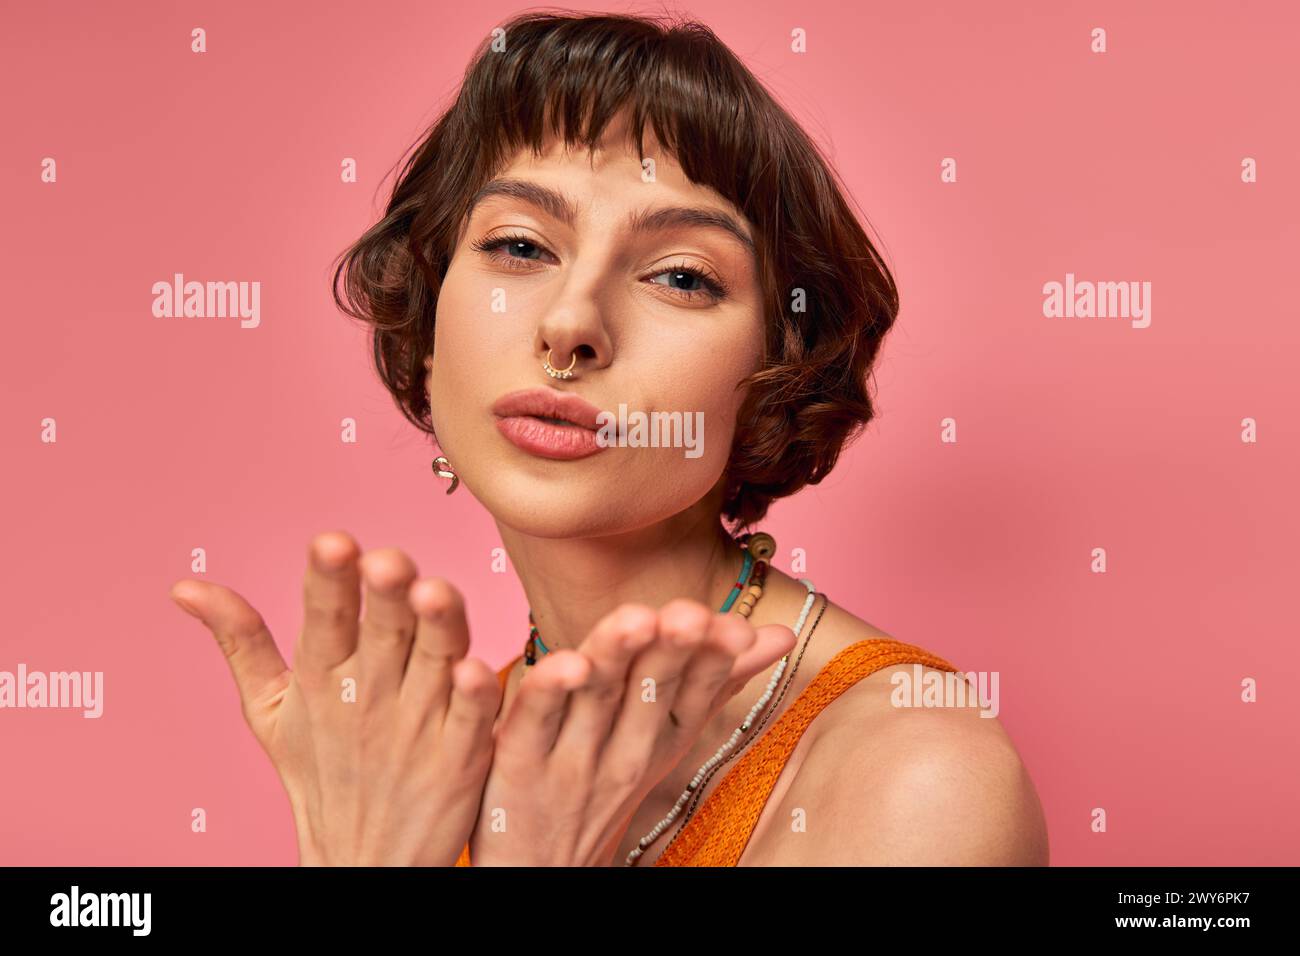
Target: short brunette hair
828 297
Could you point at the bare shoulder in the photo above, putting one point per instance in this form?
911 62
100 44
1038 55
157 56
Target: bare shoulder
905 768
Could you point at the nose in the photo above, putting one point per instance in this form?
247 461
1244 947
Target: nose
574 335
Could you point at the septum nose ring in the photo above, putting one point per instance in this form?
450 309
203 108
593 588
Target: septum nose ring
554 372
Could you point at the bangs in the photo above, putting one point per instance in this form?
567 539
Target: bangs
570 80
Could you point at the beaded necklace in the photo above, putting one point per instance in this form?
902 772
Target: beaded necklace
720 756
758 549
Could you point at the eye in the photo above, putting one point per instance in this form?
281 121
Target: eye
519 249
511 251
689 283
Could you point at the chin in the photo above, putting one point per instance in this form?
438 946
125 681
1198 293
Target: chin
560 508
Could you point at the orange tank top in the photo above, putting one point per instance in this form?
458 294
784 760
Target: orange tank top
720 829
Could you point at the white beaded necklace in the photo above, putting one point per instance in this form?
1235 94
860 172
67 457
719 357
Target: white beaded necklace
659 828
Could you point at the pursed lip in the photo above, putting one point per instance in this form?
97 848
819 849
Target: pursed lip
547 403
520 417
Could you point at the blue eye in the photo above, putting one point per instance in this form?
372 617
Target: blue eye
519 249
689 281
516 248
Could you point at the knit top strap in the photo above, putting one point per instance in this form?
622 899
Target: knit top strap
720 830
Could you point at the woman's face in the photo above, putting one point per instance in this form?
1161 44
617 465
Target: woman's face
634 271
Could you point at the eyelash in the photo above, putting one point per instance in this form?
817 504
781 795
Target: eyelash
714 287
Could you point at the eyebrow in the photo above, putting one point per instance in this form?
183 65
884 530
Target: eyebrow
558 206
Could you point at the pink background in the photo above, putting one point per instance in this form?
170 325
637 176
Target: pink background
1121 690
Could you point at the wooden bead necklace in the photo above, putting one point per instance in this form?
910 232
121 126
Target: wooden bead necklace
758 548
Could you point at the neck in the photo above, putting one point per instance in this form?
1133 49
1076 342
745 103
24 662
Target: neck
571 583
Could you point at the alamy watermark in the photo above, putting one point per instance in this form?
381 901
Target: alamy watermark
626 429
1100 300
208 300
56 690
946 689
76 908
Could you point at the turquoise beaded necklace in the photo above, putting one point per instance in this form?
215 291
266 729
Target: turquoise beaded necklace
535 638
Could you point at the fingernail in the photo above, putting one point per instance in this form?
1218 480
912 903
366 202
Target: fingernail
185 606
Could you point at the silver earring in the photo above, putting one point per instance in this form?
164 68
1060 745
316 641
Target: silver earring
442 468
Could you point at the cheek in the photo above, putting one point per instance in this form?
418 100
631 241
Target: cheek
464 341
735 361
456 354
706 384
723 361
724 401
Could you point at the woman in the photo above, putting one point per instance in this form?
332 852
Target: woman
614 217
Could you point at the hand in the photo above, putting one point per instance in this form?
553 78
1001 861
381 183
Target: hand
581 747
382 732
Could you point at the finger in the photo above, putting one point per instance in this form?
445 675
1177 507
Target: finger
771 643
331 604
466 739
709 673
255 662
387 621
441 639
611 647
529 729
683 626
